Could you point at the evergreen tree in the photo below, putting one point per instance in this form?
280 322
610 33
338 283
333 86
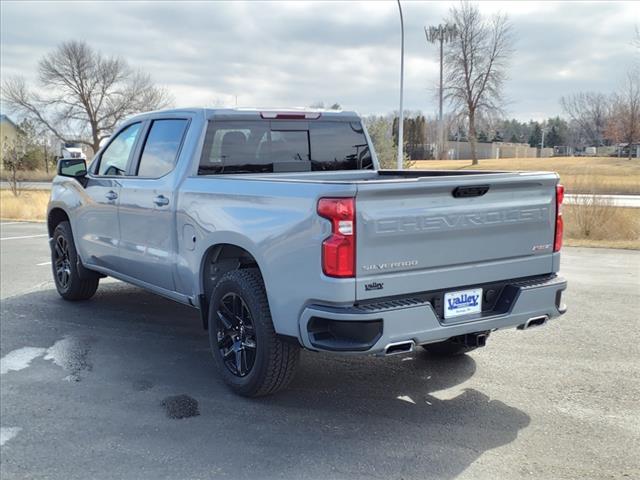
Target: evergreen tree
552 138
560 129
394 131
535 139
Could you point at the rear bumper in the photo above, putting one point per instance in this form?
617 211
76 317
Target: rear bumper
370 329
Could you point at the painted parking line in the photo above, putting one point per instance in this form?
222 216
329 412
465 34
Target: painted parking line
25 236
7 433
43 264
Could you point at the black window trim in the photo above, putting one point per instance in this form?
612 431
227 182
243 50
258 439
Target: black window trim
132 171
95 168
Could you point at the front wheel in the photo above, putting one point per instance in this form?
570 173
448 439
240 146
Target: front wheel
247 353
64 261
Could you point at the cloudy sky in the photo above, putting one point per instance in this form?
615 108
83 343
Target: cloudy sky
297 53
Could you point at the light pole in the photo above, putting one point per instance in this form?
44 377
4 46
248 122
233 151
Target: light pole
441 34
401 119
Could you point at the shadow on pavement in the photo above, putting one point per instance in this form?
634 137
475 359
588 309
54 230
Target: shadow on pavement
342 417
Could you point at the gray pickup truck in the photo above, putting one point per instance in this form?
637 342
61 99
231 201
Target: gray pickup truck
280 228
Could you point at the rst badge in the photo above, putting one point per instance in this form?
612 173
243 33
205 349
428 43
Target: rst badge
463 302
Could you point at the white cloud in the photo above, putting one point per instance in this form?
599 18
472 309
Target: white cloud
296 53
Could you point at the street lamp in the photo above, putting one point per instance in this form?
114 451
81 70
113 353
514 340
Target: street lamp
441 34
401 120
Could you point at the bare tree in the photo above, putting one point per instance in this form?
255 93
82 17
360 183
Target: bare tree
83 95
589 110
624 121
476 62
13 160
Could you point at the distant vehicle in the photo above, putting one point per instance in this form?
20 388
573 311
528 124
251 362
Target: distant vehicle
622 150
71 150
280 228
563 151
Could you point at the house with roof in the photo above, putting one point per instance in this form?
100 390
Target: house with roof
8 130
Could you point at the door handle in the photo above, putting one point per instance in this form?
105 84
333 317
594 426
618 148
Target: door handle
161 201
111 195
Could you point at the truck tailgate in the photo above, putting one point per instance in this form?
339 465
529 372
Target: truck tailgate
418 235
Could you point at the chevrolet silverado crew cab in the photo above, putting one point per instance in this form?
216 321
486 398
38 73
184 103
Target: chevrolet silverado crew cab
280 228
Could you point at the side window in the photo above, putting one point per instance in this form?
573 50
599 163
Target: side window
161 148
114 159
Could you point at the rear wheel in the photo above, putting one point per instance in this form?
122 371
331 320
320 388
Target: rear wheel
64 261
247 353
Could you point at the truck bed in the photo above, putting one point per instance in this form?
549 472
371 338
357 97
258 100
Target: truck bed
419 230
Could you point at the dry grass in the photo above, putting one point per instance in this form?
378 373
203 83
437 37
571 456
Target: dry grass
621 244
599 224
615 175
29 205
30 175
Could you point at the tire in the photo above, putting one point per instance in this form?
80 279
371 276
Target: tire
64 262
247 353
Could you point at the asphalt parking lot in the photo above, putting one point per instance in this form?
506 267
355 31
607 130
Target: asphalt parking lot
83 387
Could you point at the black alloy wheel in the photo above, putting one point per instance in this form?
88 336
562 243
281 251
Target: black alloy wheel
62 263
236 334
248 354
66 268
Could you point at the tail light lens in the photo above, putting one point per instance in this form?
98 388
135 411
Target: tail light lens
557 244
339 249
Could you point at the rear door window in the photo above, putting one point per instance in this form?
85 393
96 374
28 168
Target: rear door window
161 147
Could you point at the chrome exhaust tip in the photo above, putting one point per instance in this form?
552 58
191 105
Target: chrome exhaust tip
534 322
399 347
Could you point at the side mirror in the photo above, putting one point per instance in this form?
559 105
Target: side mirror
72 167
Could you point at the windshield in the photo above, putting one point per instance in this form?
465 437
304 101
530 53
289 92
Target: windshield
241 146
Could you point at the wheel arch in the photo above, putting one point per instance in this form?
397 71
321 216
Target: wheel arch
56 216
217 260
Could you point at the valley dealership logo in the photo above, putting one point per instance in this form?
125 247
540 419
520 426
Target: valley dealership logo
462 301
374 286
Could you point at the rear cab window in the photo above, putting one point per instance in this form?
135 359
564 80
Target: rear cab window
260 146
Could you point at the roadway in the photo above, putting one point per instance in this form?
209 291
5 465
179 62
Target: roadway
82 389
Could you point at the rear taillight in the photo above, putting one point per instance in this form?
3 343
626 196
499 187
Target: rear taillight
339 250
557 244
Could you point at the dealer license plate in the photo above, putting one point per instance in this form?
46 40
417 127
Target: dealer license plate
462 302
